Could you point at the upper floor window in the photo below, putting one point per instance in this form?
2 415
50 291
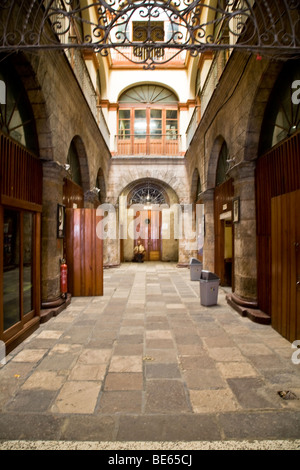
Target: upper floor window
282 115
148 121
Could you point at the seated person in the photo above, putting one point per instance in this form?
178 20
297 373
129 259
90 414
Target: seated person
139 252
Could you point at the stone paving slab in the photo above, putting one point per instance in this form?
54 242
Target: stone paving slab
147 362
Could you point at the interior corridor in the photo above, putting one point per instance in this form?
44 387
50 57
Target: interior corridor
146 362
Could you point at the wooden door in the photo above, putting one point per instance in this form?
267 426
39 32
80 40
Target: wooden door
277 173
224 233
148 230
84 253
285 252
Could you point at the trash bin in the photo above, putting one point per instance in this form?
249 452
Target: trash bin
195 269
209 288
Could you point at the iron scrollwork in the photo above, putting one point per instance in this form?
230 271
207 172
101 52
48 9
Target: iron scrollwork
151 27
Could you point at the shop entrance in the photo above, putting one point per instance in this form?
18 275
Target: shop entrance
148 230
20 242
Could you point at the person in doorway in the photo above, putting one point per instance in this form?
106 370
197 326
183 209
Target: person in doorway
139 252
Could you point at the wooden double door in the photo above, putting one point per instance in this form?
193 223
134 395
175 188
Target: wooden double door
148 231
84 253
285 242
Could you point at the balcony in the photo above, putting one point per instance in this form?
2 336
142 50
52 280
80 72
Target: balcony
133 57
148 145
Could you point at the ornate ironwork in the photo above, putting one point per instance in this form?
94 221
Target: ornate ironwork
150 27
148 195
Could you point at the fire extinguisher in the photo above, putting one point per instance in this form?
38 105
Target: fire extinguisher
63 278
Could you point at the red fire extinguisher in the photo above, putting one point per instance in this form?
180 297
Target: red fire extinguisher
63 278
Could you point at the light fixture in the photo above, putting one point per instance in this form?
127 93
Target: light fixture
67 166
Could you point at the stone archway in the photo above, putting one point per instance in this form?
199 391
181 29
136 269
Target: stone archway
156 207
195 186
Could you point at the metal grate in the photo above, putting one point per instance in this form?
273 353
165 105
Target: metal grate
264 26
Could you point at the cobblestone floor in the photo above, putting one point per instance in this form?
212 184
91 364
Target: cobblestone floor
146 362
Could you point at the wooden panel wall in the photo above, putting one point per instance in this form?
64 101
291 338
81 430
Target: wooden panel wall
286 265
84 253
21 176
277 173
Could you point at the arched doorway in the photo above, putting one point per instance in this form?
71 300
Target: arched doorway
223 196
148 215
148 218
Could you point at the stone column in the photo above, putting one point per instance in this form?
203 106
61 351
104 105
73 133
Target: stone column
52 247
244 297
184 226
245 270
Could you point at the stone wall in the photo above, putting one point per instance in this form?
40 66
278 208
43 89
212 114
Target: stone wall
234 115
61 114
169 172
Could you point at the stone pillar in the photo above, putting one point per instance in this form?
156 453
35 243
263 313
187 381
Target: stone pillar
207 198
244 297
184 225
52 247
245 270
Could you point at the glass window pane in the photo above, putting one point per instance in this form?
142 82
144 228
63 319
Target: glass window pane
171 125
155 125
124 125
171 114
124 129
11 268
140 114
155 128
155 113
124 113
27 262
140 123
140 128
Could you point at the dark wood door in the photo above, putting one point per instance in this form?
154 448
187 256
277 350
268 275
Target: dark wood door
224 250
285 242
148 230
84 253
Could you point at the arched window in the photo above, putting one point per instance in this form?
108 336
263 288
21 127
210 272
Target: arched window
74 163
222 166
148 194
282 116
16 117
148 121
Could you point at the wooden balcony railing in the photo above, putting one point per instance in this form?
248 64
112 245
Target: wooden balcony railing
148 144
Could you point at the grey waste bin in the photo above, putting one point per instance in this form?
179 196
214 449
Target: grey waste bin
195 269
209 288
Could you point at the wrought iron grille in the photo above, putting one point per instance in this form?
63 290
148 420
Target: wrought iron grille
150 27
147 195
